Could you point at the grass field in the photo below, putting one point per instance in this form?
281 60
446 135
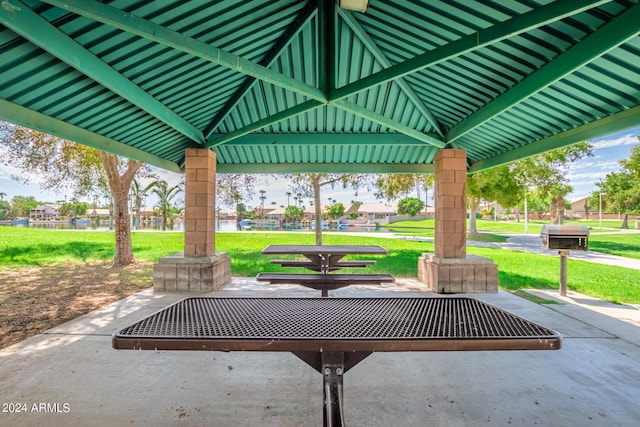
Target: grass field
23 247
427 227
609 240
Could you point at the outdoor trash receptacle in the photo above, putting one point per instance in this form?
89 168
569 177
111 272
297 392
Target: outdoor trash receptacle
565 237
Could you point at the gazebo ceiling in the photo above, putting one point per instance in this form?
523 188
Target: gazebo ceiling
302 86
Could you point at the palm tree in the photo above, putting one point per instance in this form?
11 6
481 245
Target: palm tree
138 194
165 195
2 195
262 199
288 193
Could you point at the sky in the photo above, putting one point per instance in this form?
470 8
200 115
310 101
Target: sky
583 174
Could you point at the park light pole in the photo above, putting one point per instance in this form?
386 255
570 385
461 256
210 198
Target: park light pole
600 208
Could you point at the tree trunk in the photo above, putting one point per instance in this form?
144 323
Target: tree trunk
625 221
124 250
586 209
315 180
553 211
120 185
560 208
473 229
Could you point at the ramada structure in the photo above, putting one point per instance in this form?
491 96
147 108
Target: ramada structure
379 86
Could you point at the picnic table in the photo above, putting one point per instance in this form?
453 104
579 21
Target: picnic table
324 259
334 334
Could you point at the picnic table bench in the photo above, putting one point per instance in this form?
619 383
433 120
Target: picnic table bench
325 282
309 265
324 259
334 334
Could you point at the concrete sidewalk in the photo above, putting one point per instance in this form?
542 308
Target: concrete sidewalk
75 378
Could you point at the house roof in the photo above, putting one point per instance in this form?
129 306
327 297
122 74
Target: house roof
307 86
378 207
277 211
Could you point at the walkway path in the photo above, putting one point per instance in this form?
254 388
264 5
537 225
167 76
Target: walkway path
531 243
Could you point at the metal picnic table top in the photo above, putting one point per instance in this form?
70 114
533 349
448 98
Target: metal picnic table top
325 249
334 334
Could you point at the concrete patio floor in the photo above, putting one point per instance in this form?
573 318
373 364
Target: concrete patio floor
75 378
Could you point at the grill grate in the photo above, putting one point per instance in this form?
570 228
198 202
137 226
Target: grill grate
333 318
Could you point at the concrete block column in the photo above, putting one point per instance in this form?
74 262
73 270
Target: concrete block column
449 269
451 212
200 192
199 268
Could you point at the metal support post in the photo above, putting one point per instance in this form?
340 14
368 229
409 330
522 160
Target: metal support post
332 376
563 272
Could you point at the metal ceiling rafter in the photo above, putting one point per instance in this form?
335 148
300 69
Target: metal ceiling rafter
613 123
382 58
385 121
608 37
387 168
130 23
21 19
327 15
31 119
519 24
349 139
267 121
327 46
306 15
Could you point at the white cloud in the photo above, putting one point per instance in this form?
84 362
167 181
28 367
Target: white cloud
605 165
629 139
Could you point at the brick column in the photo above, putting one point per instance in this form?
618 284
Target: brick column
200 191
451 213
449 269
199 268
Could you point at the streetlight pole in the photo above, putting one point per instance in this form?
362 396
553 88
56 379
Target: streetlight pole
600 208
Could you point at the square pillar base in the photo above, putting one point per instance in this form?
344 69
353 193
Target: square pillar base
472 274
177 273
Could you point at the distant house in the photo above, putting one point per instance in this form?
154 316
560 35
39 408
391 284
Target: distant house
577 207
44 212
276 214
374 211
101 213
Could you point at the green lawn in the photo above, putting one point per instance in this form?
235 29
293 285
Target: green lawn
23 247
427 227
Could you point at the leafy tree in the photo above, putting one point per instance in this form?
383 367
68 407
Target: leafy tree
537 203
5 209
632 164
394 186
22 205
241 211
336 210
621 188
309 184
165 196
410 206
546 174
73 208
233 190
622 193
496 184
293 213
66 165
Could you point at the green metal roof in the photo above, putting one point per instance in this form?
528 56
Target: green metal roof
301 86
